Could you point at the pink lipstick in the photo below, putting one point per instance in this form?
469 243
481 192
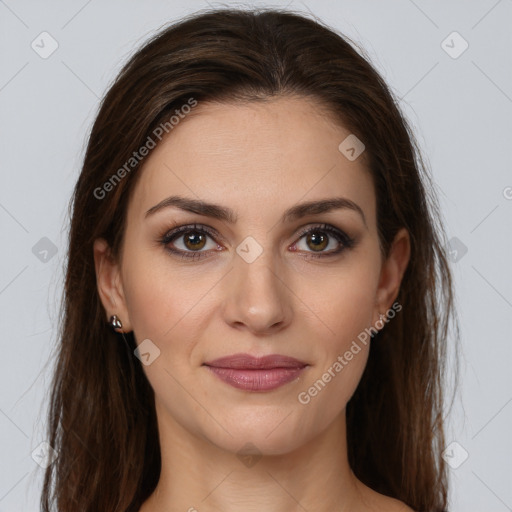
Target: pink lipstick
250 373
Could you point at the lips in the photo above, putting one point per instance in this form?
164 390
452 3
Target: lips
248 362
250 373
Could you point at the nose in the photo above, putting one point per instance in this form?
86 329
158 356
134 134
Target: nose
256 297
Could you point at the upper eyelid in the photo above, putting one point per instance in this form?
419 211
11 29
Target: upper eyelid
180 230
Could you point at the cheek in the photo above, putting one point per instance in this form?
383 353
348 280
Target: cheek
342 301
160 297
166 307
342 349
344 306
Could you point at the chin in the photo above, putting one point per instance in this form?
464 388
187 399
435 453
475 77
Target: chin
257 444
277 435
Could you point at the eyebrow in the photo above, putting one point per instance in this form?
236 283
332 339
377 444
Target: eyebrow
227 214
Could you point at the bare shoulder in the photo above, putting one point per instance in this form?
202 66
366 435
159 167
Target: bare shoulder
387 504
397 506
377 502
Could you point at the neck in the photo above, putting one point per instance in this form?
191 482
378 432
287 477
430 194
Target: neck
198 476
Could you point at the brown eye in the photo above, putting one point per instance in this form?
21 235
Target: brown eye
317 241
190 241
194 240
323 240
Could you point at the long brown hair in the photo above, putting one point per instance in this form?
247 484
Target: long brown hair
101 415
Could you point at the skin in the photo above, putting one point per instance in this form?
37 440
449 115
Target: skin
258 159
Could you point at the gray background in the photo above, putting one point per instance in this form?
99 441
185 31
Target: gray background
459 107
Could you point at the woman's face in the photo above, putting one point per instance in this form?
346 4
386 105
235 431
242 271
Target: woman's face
251 282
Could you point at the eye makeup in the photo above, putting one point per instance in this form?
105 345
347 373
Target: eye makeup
198 232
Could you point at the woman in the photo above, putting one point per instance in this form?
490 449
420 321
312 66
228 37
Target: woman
257 297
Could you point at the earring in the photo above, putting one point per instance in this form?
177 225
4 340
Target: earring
115 323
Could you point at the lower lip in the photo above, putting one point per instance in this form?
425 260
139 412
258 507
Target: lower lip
257 380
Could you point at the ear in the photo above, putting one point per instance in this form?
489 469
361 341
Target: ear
109 282
392 273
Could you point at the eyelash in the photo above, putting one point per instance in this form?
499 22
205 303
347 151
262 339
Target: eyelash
341 237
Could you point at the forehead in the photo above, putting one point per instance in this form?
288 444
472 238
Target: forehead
258 158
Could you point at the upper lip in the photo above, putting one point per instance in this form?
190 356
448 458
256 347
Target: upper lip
248 362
